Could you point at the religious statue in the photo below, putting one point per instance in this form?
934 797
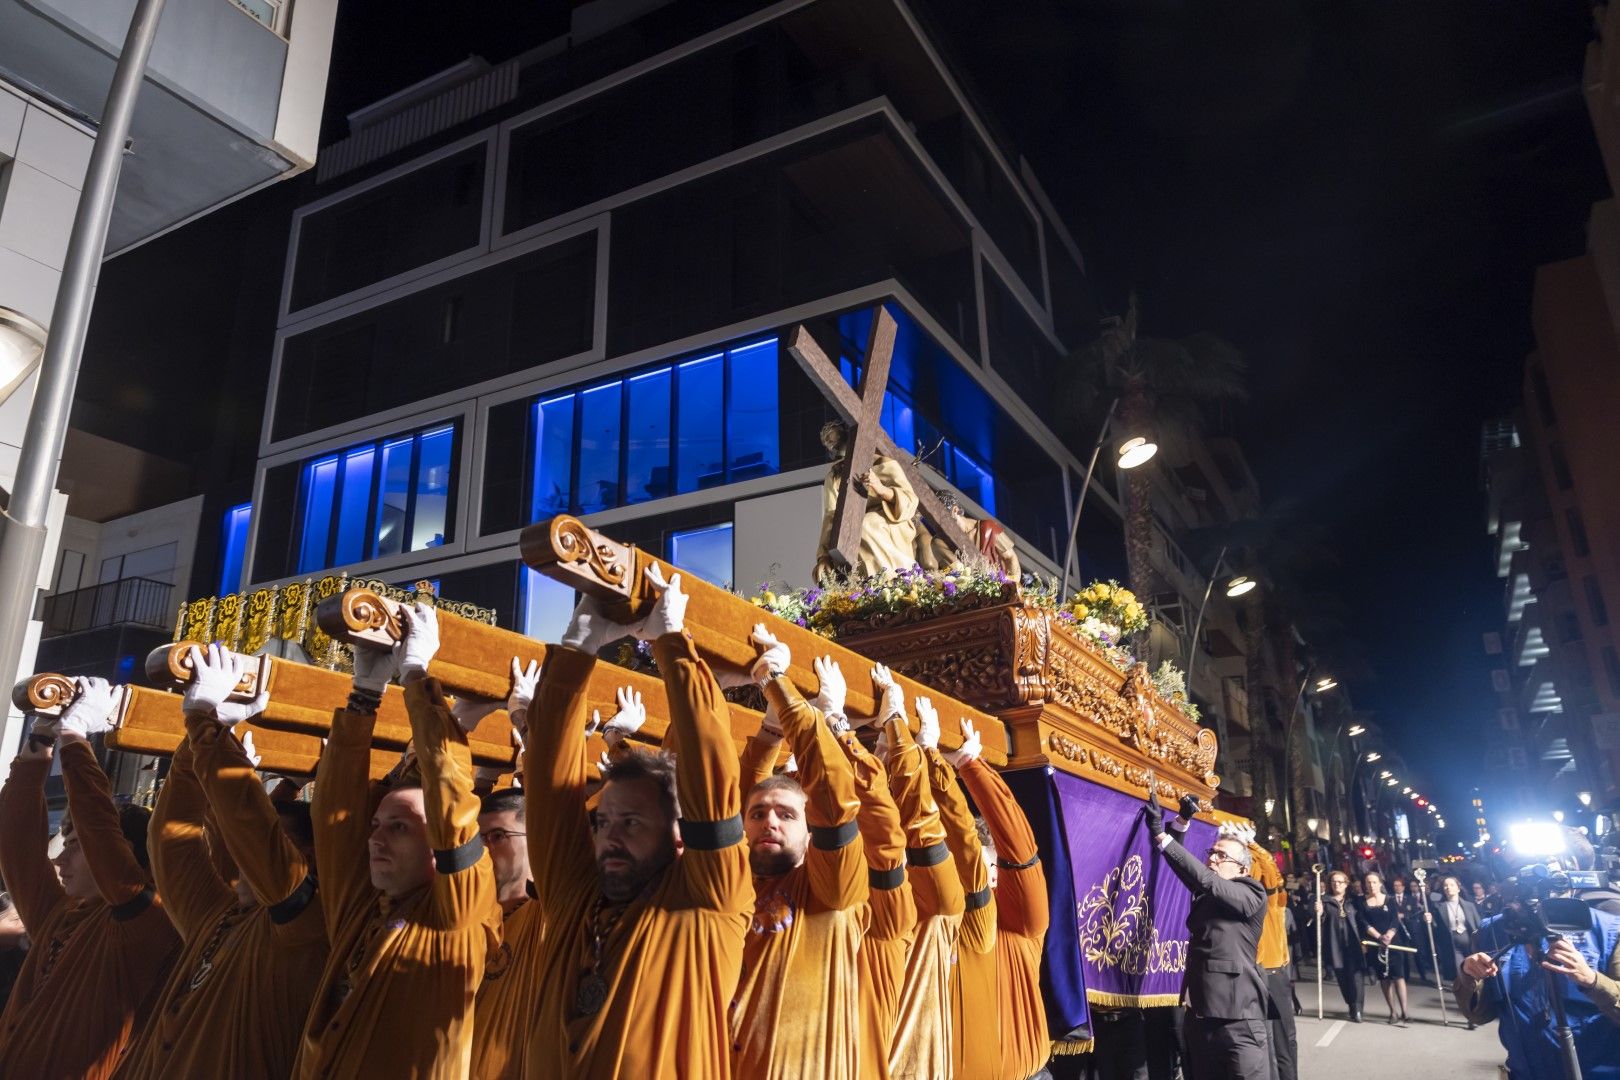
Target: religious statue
888 526
987 534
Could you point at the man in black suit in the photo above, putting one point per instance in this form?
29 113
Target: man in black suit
1456 921
1224 988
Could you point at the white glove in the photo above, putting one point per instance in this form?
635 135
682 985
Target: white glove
792 765
524 682
892 701
627 721
927 723
603 764
972 746
589 629
214 675
234 712
774 657
770 722
833 690
374 668
253 755
669 611
419 638
469 710
91 710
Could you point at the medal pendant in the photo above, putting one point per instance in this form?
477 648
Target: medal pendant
591 994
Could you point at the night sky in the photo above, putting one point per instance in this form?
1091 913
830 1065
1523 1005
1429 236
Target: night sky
1355 194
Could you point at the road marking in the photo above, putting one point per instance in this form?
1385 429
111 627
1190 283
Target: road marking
1332 1032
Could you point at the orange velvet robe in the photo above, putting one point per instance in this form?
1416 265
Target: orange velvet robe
1273 949
921 1049
670 960
797 1008
894 912
95 967
1021 921
396 998
974 993
506 998
237 999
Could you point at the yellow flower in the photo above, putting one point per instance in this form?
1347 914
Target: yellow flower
770 597
1102 590
1081 611
757 602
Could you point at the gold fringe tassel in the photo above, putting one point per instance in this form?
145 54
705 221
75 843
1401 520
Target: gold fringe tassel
1071 1047
1131 1001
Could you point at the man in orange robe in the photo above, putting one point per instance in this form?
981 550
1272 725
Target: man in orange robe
511 983
102 942
922 1045
253 953
797 1007
645 902
407 889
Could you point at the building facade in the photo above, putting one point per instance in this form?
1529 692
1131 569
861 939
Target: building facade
564 284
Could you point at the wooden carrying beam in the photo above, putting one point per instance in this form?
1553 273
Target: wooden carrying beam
719 622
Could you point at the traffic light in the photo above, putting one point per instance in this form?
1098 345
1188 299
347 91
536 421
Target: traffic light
1366 851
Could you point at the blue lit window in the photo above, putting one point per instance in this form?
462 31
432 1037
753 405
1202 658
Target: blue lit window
378 498
548 606
705 552
686 426
233 547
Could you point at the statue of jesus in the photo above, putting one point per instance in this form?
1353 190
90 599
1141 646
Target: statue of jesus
888 527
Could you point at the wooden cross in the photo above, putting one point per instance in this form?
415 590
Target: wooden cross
863 412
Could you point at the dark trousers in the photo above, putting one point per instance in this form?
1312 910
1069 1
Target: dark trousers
1161 1031
1121 1049
1226 1049
1351 987
1284 1041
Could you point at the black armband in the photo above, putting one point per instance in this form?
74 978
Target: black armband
286 910
978 899
456 859
932 855
712 835
364 701
833 837
1019 865
886 879
134 907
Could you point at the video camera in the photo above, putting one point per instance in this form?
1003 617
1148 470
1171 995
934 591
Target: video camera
1533 913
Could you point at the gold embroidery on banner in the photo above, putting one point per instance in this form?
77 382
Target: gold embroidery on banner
1115 920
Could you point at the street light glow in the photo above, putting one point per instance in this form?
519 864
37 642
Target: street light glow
1374 756
1585 797
1310 823
1137 451
1406 791
1392 781
1240 585
1385 775
1271 804
1327 682
1558 816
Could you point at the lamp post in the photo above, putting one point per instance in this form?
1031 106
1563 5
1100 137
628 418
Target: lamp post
1238 586
1134 451
1323 684
23 540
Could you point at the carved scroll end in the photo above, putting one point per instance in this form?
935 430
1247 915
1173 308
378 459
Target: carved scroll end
565 550
360 617
170 666
45 694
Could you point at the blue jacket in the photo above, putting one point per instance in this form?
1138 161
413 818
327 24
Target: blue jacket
1528 1026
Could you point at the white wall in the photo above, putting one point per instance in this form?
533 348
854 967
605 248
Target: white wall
775 539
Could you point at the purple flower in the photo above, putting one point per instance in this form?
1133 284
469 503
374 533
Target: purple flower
950 588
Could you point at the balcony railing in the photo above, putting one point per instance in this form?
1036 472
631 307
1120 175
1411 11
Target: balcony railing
127 602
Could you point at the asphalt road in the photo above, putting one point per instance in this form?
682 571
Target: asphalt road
1333 1048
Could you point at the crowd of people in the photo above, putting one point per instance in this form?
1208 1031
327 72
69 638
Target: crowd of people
687 912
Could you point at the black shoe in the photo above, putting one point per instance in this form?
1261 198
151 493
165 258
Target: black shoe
1391 1019
1470 1025
1355 1017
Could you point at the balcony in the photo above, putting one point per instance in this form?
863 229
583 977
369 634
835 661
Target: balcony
133 602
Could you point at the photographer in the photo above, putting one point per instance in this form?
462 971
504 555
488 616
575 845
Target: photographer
1581 967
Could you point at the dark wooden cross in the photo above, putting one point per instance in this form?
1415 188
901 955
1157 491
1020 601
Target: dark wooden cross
863 412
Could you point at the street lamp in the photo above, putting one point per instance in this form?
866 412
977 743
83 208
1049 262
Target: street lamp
1373 755
1310 823
1586 798
1271 804
1385 775
1558 816
1323 684
1134 451
22 341
1236 587
1240 586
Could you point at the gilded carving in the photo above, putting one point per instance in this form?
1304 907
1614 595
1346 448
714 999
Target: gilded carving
258 612
43 693
1065 747
573 543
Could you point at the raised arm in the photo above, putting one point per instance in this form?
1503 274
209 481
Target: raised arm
714 864
894 911
934 881
962 836
191 888
836 866
555 772
25 835
119 876
341 808
1021 897
1242 896
463 888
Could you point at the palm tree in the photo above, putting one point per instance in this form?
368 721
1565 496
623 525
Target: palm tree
1162 385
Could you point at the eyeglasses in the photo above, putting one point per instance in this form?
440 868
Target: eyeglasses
498 836
1220 856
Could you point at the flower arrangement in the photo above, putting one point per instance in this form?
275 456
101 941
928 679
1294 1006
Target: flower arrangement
907 595
1171 684
1109 606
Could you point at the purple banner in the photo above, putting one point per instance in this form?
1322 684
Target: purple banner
1130 909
